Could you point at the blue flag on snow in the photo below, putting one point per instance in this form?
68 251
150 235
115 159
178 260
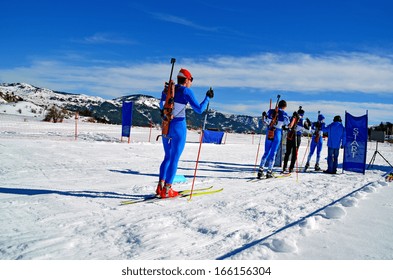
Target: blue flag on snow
355 149
210 136
126 120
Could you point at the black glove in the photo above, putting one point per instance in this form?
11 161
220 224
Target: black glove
264 115
166 87
295 115
210 93
284 127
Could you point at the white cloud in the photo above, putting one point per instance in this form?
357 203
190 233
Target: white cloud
348 72
104 38
300 72
183 21
377 112
365 74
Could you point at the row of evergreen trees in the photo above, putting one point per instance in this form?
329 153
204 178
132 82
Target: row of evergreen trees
386 127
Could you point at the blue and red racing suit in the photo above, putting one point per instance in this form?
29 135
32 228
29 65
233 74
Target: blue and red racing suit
176 139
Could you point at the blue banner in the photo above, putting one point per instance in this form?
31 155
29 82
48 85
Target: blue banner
212 136
355 149
126 120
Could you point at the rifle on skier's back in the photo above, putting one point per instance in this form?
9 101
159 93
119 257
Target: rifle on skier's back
166 113
272 128
318 126
293 125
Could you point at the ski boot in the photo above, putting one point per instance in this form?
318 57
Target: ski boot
260 173
160 185
269 174
389 177
317 168
167 191
290 170
306 166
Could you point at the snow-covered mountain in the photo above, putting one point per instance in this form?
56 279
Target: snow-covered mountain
37 100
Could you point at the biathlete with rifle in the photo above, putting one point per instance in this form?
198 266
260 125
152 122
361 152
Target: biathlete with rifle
294 136
175 139
275 118
316 142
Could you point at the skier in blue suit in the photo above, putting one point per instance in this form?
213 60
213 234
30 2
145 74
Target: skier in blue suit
176 140
316 142
271 146
336 140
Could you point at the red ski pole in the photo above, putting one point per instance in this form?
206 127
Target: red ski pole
199 151
196 165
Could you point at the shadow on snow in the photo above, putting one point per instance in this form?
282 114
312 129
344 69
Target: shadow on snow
86 194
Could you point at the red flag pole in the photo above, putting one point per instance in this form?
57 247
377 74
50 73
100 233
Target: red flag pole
76 124
151 124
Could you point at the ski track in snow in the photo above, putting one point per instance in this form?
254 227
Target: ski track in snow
60 199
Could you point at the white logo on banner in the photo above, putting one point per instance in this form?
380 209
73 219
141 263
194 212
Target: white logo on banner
354 143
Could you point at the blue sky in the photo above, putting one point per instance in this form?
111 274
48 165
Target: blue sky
330 56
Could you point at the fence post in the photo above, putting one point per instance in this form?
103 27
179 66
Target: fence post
76 125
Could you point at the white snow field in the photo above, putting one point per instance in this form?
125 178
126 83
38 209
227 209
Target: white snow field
60 200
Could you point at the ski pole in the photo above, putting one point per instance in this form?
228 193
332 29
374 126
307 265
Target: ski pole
260 138
297 162
305 153
199 152
196 165
256 158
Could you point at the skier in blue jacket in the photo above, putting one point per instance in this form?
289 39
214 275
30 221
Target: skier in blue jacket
272 145
336 140
176 140
316 142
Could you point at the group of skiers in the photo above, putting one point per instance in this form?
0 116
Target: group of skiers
276 119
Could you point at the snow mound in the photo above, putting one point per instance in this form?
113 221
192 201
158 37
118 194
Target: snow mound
360 195
334 212
283 245
369 189
379 184
309 223
384 184
349 202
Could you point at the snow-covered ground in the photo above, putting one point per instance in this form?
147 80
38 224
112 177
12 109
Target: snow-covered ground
60 200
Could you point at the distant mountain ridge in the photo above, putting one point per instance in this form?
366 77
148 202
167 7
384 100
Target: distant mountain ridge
146 108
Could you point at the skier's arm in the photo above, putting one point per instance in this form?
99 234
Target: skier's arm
269 116
287 119
325 128
343 138
198 108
